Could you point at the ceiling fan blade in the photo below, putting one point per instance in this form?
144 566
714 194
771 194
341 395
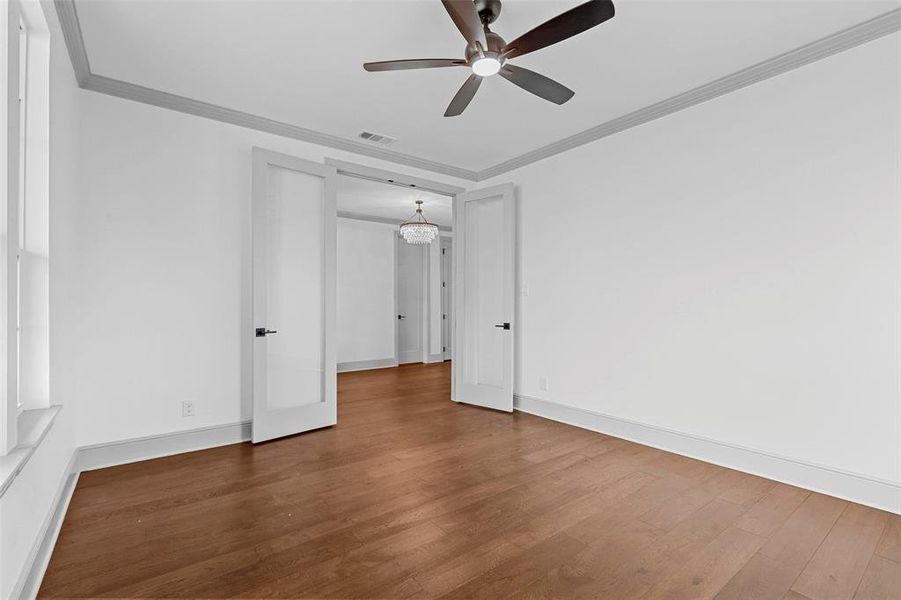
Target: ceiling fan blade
563 26
413 63
538 84
464 96
466 18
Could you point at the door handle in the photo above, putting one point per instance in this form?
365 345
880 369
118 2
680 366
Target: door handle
505 326
401 317
263 332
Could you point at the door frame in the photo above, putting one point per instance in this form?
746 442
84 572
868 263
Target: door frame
260 159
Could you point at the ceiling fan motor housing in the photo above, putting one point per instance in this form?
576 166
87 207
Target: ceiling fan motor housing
495 46
489 10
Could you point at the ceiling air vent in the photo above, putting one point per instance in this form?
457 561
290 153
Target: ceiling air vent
377 138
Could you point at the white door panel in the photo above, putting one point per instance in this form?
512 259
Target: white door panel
409 302
484 250
294 231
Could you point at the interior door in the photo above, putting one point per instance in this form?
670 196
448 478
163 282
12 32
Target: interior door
409 302
484 262
294 291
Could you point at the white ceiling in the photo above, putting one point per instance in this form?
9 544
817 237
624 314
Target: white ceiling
300 61
385 201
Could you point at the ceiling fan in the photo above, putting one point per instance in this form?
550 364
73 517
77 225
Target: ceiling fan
487 53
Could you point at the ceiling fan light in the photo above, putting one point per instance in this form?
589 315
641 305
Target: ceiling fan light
486 66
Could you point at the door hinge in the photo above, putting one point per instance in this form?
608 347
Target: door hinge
443 316
444 348
443 284
442 250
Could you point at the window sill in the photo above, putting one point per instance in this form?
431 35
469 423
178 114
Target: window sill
33 427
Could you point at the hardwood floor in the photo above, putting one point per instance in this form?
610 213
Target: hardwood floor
414 496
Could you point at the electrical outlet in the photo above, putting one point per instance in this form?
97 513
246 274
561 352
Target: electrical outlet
187 408
542 383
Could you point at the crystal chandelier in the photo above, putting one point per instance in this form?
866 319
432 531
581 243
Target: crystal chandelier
416 230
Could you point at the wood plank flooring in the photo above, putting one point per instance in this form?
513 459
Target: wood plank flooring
414 496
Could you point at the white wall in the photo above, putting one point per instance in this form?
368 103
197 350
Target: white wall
366 319
730 271
163 207
26 506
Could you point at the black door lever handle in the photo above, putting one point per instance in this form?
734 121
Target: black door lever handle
504 326
263 332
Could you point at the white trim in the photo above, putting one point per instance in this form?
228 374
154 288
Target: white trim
435 358
853 36
32 427
856 487
366 365
32 574
71 28
109 454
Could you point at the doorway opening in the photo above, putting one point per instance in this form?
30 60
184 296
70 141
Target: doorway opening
393 297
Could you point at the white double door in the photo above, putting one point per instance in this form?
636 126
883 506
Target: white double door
294 295
290 328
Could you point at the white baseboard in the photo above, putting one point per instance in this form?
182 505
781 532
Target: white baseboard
33 573
111 454
863 489
406 358
365 365
435 358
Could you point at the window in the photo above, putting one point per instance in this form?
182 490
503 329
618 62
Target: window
23 157
24 216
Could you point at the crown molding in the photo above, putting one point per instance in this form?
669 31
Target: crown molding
846 39
68 16
68 21
130 91
830 45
